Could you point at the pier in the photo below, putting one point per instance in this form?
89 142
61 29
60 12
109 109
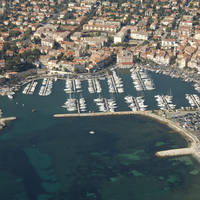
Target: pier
165 102
140 80
78 105
195 101
30 87
136 103
114 84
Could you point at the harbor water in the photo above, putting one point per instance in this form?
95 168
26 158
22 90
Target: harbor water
99 158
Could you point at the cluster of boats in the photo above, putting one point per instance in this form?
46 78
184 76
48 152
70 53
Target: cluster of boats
10 94
141 80
165 102
82 105
30 88
73 104
46 87
135 103
106 105
70 105
72 85
193 100
94 86
197 87
115 84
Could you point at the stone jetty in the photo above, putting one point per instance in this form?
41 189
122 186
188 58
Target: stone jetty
176 152
4 120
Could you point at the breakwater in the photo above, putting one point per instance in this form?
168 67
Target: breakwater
95 114
175 152
4 120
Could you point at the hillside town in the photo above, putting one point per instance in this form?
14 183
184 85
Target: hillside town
62 36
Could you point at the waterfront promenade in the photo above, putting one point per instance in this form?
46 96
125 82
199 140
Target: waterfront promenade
193 141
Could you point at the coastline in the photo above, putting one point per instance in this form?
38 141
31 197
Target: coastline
3 121
192 140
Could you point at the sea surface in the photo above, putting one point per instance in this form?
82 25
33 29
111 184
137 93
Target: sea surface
44 158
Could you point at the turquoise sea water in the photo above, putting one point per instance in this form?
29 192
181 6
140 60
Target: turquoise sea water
43 158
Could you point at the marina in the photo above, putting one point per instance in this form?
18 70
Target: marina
115 83
72 86
30 88
193 100
135 103
197 87
165 102
105 105
73 105
94 86
141 80
46 87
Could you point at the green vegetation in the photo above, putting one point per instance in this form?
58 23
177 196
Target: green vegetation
56 45
14 33
18 62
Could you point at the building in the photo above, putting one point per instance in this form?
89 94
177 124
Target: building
124 59
139 35
100 58
94 41
101 27
119 37
168 43
47 42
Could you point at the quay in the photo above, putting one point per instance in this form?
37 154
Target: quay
193 141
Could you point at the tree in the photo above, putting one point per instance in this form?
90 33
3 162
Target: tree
36 40
168 29
56 45
173 60
14 33
60 56
27 34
